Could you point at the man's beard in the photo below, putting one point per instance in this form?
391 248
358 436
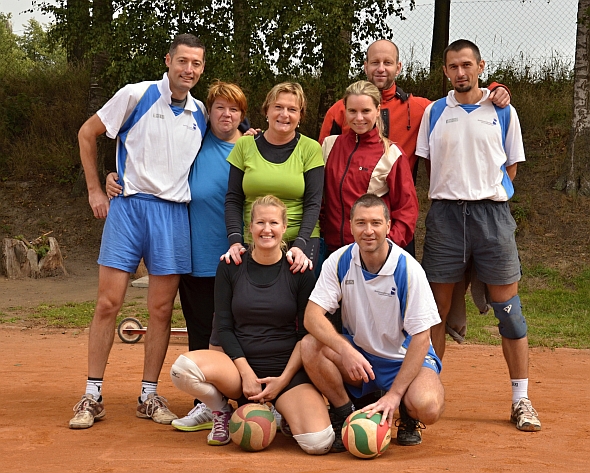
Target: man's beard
463 88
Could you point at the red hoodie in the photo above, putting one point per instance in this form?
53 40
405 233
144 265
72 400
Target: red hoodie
350 172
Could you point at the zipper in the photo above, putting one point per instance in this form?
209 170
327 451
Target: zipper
342 222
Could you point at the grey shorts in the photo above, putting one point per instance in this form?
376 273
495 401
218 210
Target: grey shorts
457 231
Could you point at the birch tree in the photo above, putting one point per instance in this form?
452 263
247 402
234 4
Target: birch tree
575 177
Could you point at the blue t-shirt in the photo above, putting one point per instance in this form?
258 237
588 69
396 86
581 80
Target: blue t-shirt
208 185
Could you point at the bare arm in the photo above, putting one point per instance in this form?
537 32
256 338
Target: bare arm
356 365
87 137
410 368
499 95
250 387
511 171
275 385
112 187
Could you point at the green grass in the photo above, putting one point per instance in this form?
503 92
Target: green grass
78 315
557 310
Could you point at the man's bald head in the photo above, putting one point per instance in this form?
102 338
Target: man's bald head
381 45
382 64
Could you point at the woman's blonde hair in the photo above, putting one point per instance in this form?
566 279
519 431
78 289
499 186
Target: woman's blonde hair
363 87
230 92
288 88
269 201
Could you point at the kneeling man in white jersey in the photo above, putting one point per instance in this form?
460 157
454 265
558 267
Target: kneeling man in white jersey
387 312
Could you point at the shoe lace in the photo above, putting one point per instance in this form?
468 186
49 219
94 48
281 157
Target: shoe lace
409 424
525 407
219 421
198 409
83 404
154 403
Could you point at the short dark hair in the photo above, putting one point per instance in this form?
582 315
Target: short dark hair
460 44
186 39
370 200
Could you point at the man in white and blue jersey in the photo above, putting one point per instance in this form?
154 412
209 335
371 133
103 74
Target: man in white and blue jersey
472 149
387 312
158 126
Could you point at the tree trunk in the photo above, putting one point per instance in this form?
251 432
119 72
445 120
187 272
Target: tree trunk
102 16
440 32
337 49
440 40
242 43
78 26
575 177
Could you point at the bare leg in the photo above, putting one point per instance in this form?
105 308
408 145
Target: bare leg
516 352
112 285
304 408
218 370
161 293
320 364
425 397
443 295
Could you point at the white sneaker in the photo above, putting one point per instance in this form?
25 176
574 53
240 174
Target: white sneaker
524 415
200 417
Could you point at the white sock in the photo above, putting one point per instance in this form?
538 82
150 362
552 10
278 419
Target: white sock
147 388
520 388
94 387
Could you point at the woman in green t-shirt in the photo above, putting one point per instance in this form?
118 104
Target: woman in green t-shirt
284 163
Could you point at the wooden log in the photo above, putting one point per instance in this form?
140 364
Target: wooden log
52 264
17 261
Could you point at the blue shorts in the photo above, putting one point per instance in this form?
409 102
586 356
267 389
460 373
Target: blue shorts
144 226
460 231
386 370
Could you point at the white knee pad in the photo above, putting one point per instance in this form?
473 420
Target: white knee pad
188 377
316 443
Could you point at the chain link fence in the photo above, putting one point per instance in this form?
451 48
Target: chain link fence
533 34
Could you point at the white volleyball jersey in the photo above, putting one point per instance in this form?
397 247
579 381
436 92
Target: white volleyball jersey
155 146
469 147
381 311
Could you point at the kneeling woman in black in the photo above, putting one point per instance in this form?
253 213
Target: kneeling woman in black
259 309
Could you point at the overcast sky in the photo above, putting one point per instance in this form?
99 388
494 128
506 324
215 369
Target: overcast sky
530 29
19 19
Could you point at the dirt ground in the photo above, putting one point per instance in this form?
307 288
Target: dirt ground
42 373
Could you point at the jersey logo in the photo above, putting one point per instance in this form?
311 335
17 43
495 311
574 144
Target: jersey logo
349 281
508 308
158 115
393 291
452 120
494 122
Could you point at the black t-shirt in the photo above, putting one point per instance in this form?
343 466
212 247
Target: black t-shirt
259 311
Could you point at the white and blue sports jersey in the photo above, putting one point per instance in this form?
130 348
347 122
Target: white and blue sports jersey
381 311
156 143
469 147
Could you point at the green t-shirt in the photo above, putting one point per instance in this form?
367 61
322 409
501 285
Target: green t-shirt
284 180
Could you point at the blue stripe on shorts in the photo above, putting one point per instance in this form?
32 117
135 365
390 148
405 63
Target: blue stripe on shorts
144 226
386 370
